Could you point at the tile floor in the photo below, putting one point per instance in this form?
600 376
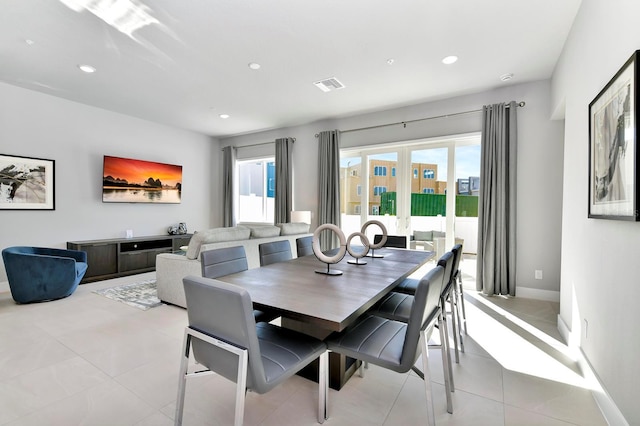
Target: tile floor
88 360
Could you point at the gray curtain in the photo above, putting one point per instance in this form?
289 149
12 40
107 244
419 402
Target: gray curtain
329 185
284 199
228 179
496 261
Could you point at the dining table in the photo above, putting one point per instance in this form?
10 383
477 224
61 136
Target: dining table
319 304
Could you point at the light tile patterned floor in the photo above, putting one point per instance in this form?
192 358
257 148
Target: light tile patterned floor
88 360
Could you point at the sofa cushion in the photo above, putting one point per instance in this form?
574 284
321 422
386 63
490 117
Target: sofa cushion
439 234
264 231
423 235
293 228
215 235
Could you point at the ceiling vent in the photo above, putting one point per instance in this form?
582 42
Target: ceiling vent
329 84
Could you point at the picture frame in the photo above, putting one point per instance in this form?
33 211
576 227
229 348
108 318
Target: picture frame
613 152
26 183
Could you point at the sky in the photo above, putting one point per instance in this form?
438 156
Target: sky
467 160
138 171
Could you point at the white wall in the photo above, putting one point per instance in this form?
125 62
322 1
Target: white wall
539 156
77 137
600 257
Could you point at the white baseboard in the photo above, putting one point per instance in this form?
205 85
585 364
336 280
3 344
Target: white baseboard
534 293
608 407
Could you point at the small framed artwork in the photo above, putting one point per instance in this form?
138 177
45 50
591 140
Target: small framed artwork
613 154
26 183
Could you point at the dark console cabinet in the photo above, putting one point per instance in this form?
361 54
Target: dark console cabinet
118 257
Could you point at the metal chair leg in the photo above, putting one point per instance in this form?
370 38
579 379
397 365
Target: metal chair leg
446 362
431 418
323 387
464 311
182 379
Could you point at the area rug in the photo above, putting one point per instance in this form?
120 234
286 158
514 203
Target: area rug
142 295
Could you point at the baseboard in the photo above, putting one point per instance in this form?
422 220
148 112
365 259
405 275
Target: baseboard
565 332
607 406
535 293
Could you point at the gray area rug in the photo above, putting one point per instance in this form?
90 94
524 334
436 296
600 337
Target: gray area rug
142 295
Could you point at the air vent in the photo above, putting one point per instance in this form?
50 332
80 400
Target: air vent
329 84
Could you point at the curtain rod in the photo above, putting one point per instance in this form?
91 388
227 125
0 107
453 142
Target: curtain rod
256 144
404 123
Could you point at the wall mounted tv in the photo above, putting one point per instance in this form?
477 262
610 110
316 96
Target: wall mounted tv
125 180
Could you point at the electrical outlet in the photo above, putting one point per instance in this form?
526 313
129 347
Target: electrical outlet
538 274
586 328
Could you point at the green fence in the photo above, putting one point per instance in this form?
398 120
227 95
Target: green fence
431 205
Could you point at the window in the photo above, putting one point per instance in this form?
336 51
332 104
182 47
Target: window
375 210
256 190
359 190
393 172
377 190
357 209
379 170
429 174
428 191
415 173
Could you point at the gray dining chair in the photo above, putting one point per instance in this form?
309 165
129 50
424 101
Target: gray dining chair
396 345
457 282
397 306
276 251
226 261
226 340
304 246
396 241
450 295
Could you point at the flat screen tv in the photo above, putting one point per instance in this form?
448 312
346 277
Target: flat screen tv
125 180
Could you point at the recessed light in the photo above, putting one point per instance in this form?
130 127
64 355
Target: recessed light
30 42
506 77
254 66
87 68
390 61
449 60
224 116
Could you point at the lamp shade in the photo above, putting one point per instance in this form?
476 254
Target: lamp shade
302 216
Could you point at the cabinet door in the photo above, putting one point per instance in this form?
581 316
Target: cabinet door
101 258
133 260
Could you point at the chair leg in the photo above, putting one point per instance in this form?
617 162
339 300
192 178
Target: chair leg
454 325
431 418
446 362
464 312
444 336
182 379
323 387
241 387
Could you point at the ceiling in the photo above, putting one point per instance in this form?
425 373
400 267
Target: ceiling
189 64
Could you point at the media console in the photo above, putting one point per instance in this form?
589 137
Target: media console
118 257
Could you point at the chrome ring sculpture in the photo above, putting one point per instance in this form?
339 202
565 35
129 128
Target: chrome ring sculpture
360 254
382 241
315 245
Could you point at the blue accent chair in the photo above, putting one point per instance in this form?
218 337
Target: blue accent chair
38 274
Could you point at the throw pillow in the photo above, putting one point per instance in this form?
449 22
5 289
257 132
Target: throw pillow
293 228
265 231
215 235
423 235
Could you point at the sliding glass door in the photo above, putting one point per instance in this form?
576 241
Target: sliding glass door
418 186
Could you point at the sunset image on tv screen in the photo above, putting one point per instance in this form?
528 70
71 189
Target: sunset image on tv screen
126 180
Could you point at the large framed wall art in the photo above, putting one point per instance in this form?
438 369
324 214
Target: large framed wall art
26 183
613 153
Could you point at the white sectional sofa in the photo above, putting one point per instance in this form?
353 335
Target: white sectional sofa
172 268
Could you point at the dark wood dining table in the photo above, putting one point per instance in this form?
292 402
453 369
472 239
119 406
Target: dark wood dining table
319 304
